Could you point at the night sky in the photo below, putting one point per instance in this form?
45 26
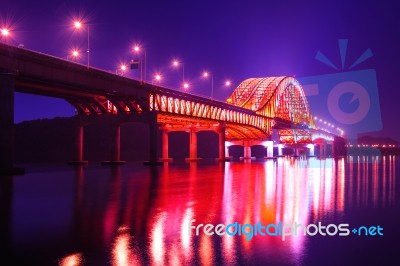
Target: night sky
234 40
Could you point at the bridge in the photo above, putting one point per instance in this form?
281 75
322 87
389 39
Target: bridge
257 108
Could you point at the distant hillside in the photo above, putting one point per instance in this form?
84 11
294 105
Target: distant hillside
374 146
369 140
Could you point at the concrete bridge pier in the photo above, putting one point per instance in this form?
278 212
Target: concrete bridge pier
296 152
227 145
153 145
280 150
78 156
270 149
115 148
311 150
247 150
192 145
322 148
7 148
165 141
223 151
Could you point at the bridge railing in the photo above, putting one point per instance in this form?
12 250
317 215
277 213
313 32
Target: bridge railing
164 101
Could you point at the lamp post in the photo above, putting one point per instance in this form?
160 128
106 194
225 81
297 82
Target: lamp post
206 75
79 25
137 49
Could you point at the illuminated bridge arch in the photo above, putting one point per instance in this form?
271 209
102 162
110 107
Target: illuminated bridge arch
281 99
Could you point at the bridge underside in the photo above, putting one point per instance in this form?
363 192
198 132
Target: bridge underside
233 131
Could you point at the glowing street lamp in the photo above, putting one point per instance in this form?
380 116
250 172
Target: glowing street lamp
5 32
186 86
157 78
123 67
176 64
75 53
228 83
79 25
137 49
206 75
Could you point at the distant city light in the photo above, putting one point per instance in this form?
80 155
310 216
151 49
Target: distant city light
228 83
136 48
123 67
158 77
205 74
175 63
186 85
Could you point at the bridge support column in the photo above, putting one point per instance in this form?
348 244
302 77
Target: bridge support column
280 150
270 149
7 148
322 148
333 149
227 150
247 150
116 148
312 152
78 156
192 145
153 134
165 153
295 151
222 150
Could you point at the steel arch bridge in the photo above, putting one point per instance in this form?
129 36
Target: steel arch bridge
282 101
252 113
255 108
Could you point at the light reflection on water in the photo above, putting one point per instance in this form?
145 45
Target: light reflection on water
135 215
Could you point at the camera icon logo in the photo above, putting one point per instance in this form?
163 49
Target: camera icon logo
347 98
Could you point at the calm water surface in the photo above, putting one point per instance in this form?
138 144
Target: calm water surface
136 215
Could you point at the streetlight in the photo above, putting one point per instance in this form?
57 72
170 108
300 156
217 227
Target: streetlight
121 69
74 55
79 25
176 63
5 33
157 78
186 86
137 49
206 75
228 83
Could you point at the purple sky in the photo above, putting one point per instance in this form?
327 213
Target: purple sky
233 39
